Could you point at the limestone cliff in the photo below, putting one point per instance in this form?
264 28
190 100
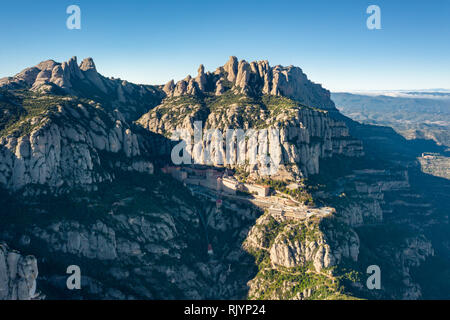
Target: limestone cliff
275 99
62 142
297 259
17 275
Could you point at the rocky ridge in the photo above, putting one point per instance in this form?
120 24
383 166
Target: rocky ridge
255 78
84 81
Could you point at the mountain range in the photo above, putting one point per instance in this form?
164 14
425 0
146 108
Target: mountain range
83 162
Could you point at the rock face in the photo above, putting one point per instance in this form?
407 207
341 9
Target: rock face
64 147
17 275
292 134
255 78
290 254
136 239
293 113
366 190
299 257
436 165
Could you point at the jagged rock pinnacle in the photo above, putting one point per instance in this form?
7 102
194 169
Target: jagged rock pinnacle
88 64
254 78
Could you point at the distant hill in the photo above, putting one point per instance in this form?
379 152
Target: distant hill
414 114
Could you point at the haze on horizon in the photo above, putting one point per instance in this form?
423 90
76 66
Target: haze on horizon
153 42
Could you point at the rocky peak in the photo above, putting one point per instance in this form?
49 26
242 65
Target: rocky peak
46 65
243 76
254 78
201 78
71 68
50 74
88 64
169 87
231 68
201 70
83 80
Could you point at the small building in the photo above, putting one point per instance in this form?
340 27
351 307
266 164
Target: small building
213 174
429 155
176 172
195 172
194 181
276 211
229 185
210 183
260 190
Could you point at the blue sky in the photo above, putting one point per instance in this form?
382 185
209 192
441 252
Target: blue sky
155 41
